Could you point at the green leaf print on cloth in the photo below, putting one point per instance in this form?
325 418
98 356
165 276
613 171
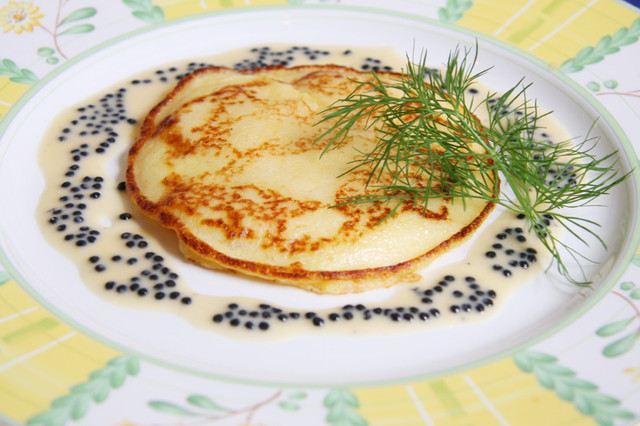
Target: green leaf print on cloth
454 10
606 46
342 404
584 395
201 408
626 331
16 74
74 406
145 11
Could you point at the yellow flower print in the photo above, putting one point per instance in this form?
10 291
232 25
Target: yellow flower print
19 16
634 373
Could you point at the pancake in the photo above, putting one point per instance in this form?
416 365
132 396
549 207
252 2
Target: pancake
230 161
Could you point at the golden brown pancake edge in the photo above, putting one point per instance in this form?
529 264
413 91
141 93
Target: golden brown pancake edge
318 281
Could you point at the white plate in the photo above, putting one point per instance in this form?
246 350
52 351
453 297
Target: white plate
537 310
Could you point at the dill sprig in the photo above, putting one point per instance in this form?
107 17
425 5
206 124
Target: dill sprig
432 145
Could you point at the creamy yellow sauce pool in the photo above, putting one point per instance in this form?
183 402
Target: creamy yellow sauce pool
132 262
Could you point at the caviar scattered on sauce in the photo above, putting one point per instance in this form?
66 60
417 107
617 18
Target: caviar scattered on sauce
105 240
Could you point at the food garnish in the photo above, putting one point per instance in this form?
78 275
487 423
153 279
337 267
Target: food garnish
428 142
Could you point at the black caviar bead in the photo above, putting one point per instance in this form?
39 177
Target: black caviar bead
408 317
186 300
263 326
318 322
218 318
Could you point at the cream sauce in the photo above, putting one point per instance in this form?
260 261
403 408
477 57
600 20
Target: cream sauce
131 261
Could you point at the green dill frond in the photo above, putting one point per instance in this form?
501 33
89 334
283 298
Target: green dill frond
431 145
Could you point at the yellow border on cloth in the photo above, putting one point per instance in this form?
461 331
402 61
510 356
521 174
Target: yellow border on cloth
41 357
552 30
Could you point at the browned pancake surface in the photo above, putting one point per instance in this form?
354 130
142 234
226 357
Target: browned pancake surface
229 160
